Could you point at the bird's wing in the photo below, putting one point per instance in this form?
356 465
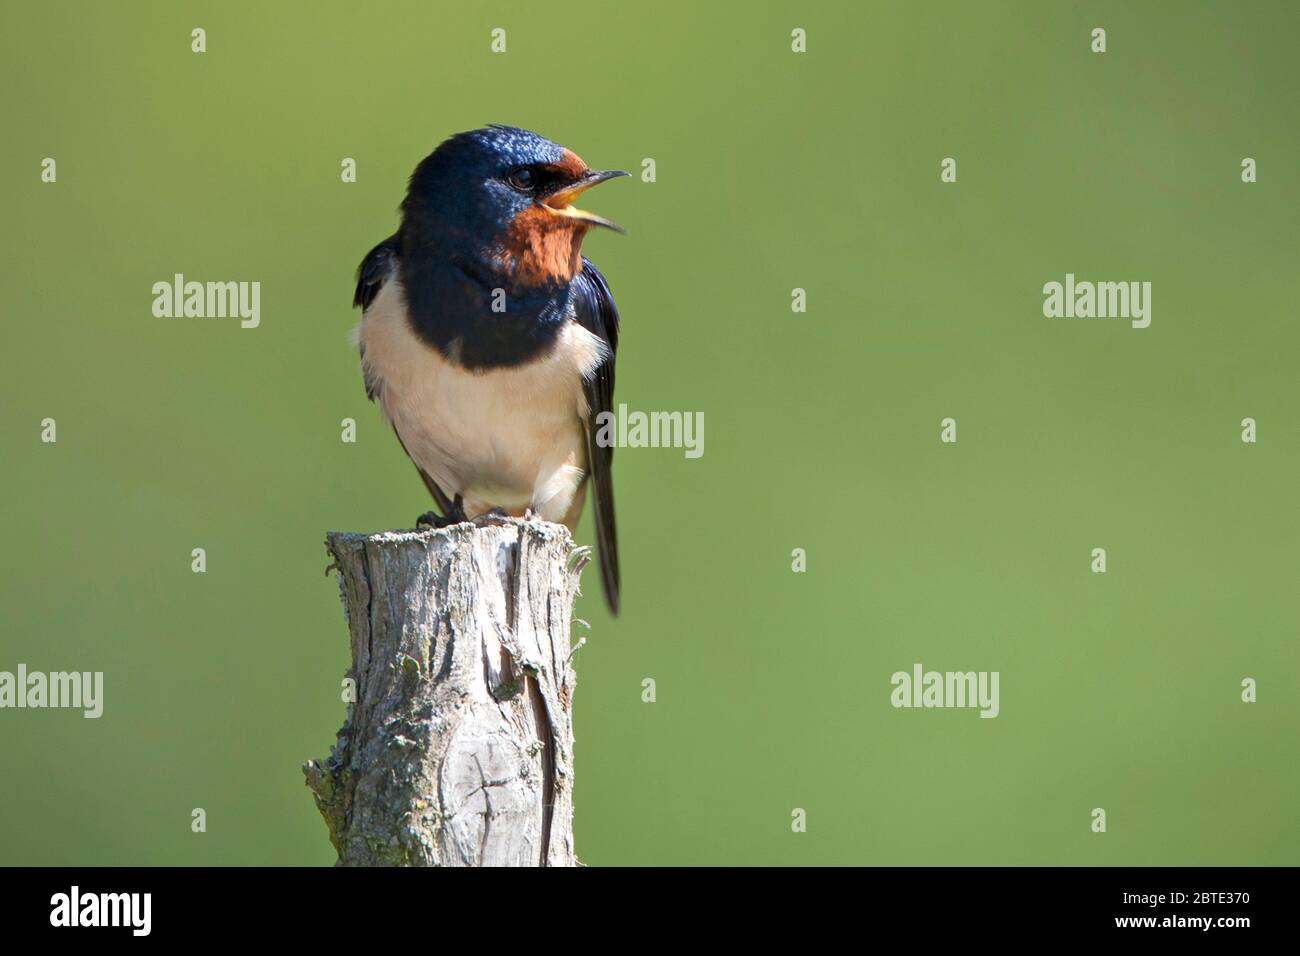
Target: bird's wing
379 265
595 311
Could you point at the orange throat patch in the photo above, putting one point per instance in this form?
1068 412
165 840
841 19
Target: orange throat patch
541 247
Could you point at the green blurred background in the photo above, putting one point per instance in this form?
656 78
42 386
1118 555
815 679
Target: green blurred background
775 171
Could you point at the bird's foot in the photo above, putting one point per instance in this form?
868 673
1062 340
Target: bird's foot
487 516
432 519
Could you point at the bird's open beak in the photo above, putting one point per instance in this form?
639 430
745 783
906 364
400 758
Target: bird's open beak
561 201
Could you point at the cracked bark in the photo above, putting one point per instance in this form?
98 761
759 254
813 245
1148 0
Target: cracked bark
458 748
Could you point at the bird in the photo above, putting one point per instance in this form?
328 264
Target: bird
487 338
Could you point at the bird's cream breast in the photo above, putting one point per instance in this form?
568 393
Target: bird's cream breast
507 437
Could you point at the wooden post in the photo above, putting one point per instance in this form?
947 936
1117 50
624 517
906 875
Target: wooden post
458 747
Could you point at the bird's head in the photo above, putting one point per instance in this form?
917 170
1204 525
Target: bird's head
503 198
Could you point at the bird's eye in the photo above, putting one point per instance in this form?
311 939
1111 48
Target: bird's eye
523 179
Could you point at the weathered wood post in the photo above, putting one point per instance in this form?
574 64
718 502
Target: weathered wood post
458 748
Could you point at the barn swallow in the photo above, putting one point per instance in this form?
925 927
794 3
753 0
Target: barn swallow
488 339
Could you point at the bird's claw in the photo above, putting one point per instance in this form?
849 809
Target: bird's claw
487 516
431 519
